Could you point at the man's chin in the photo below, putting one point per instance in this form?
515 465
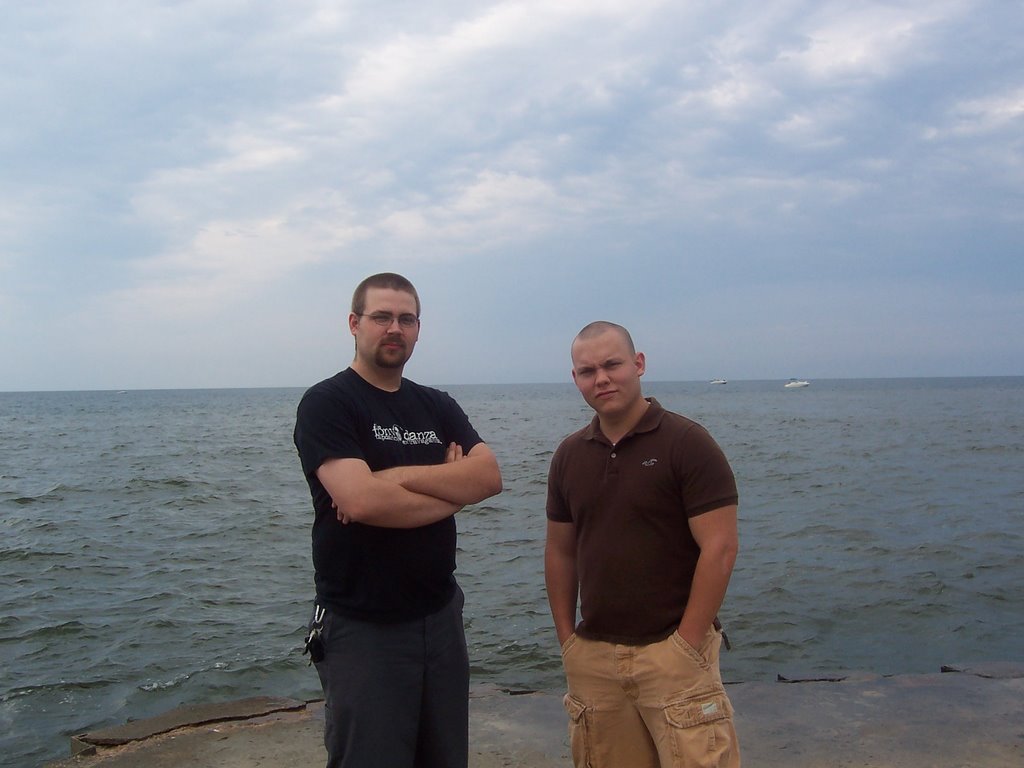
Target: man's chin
385 361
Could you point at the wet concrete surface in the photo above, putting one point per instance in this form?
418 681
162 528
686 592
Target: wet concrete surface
962 717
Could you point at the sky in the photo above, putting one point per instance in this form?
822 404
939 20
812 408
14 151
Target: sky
190 191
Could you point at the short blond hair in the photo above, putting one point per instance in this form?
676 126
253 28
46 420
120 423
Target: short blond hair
596 328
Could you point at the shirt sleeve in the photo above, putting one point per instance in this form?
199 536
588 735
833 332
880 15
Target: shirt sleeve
325 428
458 424
557 509
706 480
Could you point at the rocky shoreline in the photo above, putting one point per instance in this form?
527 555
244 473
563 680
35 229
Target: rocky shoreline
961 717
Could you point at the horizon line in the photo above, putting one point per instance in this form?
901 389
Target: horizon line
117 390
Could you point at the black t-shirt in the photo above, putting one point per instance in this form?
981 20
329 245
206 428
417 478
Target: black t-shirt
363 571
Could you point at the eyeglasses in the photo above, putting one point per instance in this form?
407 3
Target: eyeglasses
385 319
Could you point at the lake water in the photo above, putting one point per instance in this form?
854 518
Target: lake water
154 545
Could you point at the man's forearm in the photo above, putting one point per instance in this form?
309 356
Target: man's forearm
396 507
467 481
561 581
707 592
716 535
562 603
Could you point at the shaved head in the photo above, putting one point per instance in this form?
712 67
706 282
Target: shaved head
598 327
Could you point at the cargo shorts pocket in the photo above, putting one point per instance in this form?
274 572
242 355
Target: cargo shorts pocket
700 657
570 641
702 731
579 730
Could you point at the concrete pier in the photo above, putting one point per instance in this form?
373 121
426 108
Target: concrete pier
962 717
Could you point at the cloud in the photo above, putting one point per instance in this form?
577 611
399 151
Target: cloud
170 167
1002 111
868 40
226 259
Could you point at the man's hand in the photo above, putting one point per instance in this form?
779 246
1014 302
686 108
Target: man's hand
342 517
693 640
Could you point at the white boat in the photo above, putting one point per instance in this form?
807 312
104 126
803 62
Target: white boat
718 381
796 384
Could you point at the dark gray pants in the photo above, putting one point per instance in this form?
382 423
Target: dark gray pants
396 695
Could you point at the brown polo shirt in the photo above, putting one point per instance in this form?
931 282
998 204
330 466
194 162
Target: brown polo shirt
631 503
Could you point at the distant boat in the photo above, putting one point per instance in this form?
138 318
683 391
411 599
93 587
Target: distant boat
718 381
796 384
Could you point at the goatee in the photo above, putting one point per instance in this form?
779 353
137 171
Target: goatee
393 358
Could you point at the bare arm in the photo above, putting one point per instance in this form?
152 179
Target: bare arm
362 497
561 578
716 534
461 479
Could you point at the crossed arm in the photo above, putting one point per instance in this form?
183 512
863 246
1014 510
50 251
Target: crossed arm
411 496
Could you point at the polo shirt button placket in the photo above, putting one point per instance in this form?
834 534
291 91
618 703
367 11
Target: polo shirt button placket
611 470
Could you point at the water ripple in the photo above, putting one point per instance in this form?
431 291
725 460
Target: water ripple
155 545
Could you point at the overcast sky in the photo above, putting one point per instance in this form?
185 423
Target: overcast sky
189 191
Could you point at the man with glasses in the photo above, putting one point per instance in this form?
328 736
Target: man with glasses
389 462
641 515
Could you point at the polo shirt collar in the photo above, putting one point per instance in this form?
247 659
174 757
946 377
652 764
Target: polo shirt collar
648 423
